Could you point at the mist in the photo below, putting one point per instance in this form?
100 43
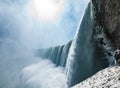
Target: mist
21 34
43 75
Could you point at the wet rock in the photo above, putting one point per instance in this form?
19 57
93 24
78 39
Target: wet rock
117 56
108 16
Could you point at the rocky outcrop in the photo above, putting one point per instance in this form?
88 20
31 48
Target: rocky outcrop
108 16
107 78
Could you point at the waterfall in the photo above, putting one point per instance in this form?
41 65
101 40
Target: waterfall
58 55
84 55
84 58
81 57
54 67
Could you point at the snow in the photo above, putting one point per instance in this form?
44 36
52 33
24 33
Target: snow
107 78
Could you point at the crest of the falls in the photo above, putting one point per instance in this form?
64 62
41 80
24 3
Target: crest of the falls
57 55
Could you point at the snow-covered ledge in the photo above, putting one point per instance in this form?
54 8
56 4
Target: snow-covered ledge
107 78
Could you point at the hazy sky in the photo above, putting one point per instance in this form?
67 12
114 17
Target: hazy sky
38 24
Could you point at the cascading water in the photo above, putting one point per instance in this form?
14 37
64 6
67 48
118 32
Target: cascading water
90 51
79 62
58 55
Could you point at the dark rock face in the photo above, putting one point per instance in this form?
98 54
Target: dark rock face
117 56
108 16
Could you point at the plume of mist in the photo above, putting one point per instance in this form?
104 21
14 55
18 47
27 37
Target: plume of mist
43 75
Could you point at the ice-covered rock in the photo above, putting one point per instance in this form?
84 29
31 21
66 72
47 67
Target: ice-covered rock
107 78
